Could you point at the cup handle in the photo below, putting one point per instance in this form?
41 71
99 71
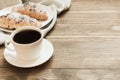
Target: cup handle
52 23
7 42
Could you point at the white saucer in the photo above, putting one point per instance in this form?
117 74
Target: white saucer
45 54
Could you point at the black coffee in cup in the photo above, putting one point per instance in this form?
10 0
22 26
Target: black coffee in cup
27 36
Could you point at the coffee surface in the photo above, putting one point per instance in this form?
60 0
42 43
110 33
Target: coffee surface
27 36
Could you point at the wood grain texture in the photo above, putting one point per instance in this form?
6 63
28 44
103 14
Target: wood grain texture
59 74
7 3
31 0
86 40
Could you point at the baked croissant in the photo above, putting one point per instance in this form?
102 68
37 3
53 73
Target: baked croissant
15 20
31 9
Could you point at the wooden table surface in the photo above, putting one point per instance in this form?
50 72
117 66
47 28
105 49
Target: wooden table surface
86 40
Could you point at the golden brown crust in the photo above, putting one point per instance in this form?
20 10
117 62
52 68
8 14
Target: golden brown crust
15 20
31 9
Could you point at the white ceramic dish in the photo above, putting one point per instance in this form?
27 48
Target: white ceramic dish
50 15
45 54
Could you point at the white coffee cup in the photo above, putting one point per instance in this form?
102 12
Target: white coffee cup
25 51
32 49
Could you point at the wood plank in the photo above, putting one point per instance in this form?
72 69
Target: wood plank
93 5
111 29
7 3
1 50
32 0
88 18
83 52
86 52
58 74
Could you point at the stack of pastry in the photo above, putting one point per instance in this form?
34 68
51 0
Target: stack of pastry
27 14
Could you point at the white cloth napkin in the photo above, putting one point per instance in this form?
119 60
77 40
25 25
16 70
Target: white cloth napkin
61 5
